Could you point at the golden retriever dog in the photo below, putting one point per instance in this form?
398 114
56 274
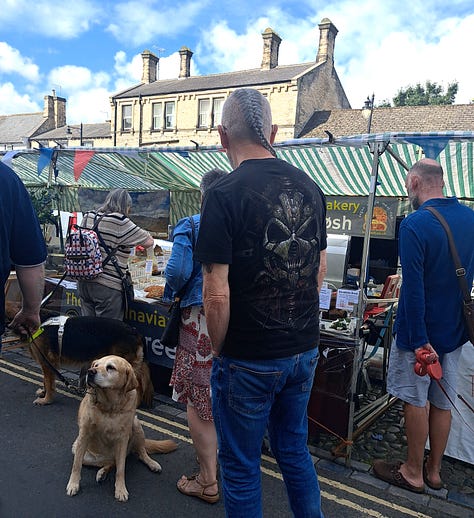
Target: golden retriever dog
78 342
108 426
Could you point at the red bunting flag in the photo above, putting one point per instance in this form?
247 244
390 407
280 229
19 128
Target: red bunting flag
81 159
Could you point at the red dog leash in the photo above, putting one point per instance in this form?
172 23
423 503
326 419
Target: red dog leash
427 363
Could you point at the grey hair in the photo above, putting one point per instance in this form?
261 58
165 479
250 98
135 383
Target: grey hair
118 200
429 170
209 178
246 115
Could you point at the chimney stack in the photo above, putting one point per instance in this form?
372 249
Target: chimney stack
271 44
327 37
185 65
54 110
150 64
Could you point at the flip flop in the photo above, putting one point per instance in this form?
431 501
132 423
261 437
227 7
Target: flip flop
182 486
428 482
390 472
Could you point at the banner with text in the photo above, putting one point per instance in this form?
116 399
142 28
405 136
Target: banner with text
348 215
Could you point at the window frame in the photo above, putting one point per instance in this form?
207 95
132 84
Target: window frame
214 122
154 117
204 114
171 126
127 120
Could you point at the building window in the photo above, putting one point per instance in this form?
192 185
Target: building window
169 115
203 113
127 117
157 122
217 111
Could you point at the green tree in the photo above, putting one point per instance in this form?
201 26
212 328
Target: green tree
430 93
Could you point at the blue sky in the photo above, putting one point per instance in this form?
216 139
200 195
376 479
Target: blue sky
88 50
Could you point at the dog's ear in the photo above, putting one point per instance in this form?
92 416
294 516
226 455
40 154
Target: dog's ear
131 381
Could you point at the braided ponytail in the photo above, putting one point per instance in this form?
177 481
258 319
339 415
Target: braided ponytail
255 111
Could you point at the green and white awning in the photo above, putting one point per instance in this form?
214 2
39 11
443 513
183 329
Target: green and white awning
340 166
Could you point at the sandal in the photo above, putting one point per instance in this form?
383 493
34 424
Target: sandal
428 482
390 472
183 487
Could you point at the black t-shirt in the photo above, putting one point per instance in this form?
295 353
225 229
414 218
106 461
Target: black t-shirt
267 220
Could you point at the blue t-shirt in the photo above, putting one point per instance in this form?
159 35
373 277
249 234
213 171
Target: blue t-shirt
21 239
429 308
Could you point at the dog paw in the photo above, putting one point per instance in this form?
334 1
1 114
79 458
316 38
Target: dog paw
72 488
101 475
121 494
41 392
154 466
42 401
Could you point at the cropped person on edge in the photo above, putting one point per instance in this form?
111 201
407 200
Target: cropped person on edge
103 296
262 243
429 317
21 244
191 374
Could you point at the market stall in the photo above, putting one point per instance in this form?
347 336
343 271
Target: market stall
366 171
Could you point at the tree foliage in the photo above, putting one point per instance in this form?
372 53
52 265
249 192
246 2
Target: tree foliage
422 95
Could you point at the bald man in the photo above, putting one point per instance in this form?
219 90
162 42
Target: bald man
429 316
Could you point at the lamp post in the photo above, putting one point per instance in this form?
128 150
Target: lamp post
367 111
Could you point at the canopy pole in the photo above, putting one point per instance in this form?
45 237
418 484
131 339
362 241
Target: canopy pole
377 150
392 153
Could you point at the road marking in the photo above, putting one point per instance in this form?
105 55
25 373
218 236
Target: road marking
266 458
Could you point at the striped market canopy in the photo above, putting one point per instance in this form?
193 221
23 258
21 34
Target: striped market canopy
340 166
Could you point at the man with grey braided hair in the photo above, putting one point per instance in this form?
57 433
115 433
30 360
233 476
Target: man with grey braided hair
262 242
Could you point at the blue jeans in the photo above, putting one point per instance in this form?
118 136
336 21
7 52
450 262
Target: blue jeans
247 397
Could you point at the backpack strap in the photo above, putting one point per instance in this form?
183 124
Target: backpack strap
110 252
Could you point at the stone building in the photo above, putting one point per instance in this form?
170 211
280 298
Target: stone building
186 110
77 135
19 131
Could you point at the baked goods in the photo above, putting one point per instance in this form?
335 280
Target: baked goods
154 292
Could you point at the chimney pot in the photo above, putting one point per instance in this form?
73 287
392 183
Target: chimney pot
185 64
271 45
327 37
150 64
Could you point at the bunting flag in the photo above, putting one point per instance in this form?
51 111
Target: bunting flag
46 154
81 159
432 147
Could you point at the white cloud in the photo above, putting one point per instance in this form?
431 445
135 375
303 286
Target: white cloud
139 22
11 61
12 102
88 105
52 19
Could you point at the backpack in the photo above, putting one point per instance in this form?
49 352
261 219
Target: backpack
83 258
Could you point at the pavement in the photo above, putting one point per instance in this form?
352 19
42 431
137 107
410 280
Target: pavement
379 440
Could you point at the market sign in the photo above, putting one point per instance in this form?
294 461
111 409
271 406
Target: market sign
347 215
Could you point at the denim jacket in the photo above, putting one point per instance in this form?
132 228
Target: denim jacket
181 266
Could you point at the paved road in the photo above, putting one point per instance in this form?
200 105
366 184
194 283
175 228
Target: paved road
35 462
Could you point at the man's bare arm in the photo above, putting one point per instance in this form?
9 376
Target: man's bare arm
31 282
323 268
216 303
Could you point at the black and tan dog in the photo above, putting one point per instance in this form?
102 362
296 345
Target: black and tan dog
108 426
78 343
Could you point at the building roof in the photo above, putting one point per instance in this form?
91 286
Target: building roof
241 78
73 131
15 128
454 117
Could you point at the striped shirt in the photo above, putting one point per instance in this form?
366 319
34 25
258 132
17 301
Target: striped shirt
120 234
